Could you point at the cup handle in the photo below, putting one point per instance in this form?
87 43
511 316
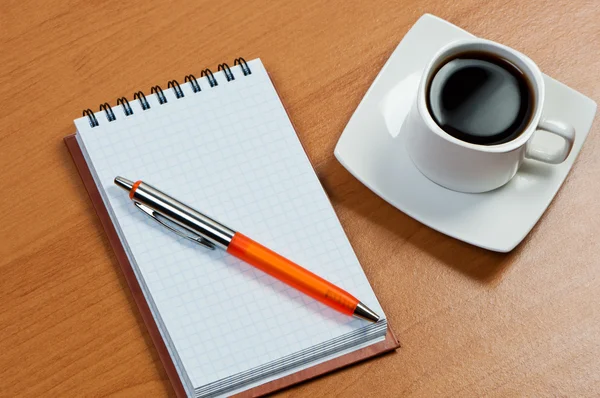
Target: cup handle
564 130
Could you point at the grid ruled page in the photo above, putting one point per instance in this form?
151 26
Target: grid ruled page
232 153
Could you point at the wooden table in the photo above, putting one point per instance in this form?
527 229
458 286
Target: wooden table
471 322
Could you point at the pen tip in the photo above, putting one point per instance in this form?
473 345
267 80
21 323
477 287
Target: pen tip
363 312
124 183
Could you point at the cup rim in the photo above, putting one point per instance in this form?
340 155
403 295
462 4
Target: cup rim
527 66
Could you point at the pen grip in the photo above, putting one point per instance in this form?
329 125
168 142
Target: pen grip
291 273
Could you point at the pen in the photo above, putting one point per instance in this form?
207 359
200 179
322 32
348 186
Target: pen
212 234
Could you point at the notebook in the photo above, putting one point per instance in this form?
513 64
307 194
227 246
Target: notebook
223 144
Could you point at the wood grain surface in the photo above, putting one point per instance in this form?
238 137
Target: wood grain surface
472 322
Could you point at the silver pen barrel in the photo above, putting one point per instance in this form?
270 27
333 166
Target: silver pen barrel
179 213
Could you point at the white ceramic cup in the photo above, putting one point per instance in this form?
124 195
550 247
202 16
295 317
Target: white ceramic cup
466 167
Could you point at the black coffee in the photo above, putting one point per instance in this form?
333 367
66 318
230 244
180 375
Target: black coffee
480 98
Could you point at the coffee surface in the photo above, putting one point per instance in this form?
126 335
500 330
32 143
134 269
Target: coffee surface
480 99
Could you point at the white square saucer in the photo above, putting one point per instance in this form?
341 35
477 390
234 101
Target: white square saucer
496 220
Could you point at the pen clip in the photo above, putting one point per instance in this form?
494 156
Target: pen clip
154 215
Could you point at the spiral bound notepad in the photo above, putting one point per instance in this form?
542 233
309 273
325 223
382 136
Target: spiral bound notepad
223 143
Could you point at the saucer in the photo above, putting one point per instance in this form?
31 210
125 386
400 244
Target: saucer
371 150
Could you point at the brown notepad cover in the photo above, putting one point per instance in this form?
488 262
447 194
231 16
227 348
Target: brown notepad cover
389 344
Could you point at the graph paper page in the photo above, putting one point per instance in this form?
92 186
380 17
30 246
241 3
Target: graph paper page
230 152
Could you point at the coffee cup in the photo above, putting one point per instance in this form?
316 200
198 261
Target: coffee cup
470 133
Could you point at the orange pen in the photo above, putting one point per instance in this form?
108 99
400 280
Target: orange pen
212 234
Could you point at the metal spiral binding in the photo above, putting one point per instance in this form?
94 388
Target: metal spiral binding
142 100
193 82
93 121
125 105
159 94
210 77
172 84
244 65
110 115
227 71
